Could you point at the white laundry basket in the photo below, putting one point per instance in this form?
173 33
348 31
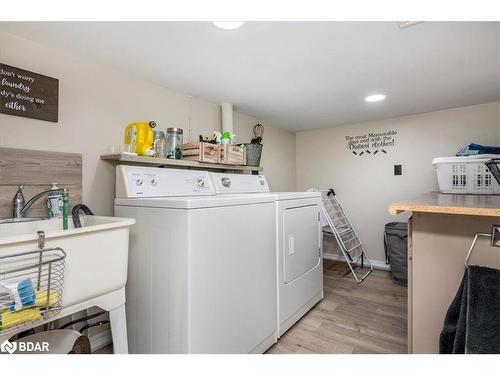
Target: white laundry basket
465 175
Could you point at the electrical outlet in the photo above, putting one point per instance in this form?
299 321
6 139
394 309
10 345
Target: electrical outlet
398 170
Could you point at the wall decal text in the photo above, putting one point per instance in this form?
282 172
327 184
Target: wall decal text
371 143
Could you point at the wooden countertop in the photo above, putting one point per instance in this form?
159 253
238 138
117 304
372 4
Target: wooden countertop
455 204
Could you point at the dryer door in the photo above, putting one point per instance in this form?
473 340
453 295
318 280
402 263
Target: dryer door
301 242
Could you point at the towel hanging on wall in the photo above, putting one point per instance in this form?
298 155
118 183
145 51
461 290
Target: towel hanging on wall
471 325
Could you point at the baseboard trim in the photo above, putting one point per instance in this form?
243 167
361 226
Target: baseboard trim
377 264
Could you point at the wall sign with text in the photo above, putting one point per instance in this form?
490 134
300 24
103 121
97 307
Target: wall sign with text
371 143
27 94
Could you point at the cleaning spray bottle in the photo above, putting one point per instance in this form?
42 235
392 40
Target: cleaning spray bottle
54 202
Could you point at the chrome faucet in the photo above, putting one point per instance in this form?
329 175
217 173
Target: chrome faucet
20 206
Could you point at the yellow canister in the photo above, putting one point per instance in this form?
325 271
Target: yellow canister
139 137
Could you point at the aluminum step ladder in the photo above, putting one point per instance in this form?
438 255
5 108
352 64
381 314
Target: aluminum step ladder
348 240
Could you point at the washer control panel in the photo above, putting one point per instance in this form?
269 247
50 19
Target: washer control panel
239 183
134 181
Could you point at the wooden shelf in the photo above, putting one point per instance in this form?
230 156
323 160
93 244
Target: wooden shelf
145 160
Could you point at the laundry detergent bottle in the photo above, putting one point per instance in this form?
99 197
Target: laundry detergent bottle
139 138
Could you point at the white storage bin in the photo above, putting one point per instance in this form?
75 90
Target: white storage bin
465 175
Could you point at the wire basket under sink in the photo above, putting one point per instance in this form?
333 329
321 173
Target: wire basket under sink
31 287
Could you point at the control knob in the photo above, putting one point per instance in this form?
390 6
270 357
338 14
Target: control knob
200 182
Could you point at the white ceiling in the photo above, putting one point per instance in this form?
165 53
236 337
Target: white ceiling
298 75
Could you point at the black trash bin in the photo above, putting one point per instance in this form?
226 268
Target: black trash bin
396 250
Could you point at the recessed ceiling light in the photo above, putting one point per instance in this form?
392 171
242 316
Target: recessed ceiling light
406 24
375 98
228 25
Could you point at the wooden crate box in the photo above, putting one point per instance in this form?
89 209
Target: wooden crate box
234 155
202 152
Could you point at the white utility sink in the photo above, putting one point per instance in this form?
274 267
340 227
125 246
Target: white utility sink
15 232
96 261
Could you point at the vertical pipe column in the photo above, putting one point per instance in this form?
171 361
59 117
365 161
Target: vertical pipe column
227 117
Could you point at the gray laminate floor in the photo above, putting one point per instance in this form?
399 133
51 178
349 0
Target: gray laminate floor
352 318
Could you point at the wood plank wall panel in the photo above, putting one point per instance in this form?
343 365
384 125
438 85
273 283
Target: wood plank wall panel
36 171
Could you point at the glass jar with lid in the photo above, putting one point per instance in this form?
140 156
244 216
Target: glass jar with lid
173 149
159 143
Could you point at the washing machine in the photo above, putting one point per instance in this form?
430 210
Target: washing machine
298 244
202 274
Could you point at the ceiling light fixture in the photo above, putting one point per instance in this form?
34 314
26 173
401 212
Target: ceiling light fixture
375 98
406 24
228 25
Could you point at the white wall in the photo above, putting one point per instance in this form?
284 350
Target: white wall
278 153
97 102
366 186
